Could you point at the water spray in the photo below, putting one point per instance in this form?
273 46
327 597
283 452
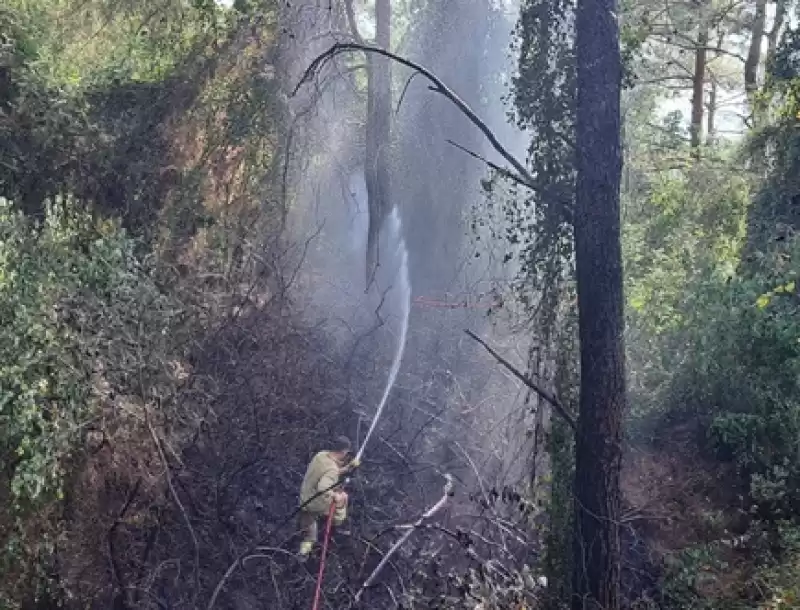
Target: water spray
404 286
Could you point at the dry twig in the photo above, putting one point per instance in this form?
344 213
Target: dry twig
448 491
549 397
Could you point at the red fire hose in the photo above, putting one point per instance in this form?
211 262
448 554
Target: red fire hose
321 573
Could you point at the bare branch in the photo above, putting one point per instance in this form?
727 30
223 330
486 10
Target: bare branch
448 491
405 90
501 170
551 398
437 86
239 561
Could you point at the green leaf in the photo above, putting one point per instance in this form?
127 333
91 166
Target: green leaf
637 303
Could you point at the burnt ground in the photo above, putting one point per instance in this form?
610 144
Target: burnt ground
177 504
206 504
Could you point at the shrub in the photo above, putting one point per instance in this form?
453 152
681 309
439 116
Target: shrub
77 306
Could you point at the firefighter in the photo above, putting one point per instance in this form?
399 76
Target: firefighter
322 476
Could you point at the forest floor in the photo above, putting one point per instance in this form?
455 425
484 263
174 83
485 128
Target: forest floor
686 507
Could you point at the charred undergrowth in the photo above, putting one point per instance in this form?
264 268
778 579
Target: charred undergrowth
210 505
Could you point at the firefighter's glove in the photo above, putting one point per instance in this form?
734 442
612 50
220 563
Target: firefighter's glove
355 463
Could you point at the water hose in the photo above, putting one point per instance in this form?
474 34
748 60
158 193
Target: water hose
398 358
321 573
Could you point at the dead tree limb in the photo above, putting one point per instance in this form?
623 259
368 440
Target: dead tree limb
409 529
503 171
544 394
525 177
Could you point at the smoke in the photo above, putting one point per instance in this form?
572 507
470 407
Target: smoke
452 405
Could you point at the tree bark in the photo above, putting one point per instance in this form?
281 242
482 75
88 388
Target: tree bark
378 137
596 551
698 90
753 59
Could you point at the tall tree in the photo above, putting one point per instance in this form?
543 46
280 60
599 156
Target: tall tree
379 109
753 60
596 561
698 89
377 174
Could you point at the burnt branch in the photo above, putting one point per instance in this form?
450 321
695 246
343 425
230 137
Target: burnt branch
168 477
544 394
240 560
503 171
409 529
436 85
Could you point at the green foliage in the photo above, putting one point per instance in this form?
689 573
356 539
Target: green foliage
734 358
58 280
162 118
700 576
105 133
76 302
712 262
43 377
687 223
753 378
682 238
539 229
726 347
75 44
775 149
686 576
39 123
778 575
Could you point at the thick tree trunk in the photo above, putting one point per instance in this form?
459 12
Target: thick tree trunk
753 60
698 90
379 109
596 559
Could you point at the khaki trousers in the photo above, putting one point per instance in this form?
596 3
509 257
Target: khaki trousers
307 521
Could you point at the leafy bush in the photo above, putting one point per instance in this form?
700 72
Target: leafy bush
686 576
42 375
76 306
712 338
782 578
746 377
734 360
678 256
